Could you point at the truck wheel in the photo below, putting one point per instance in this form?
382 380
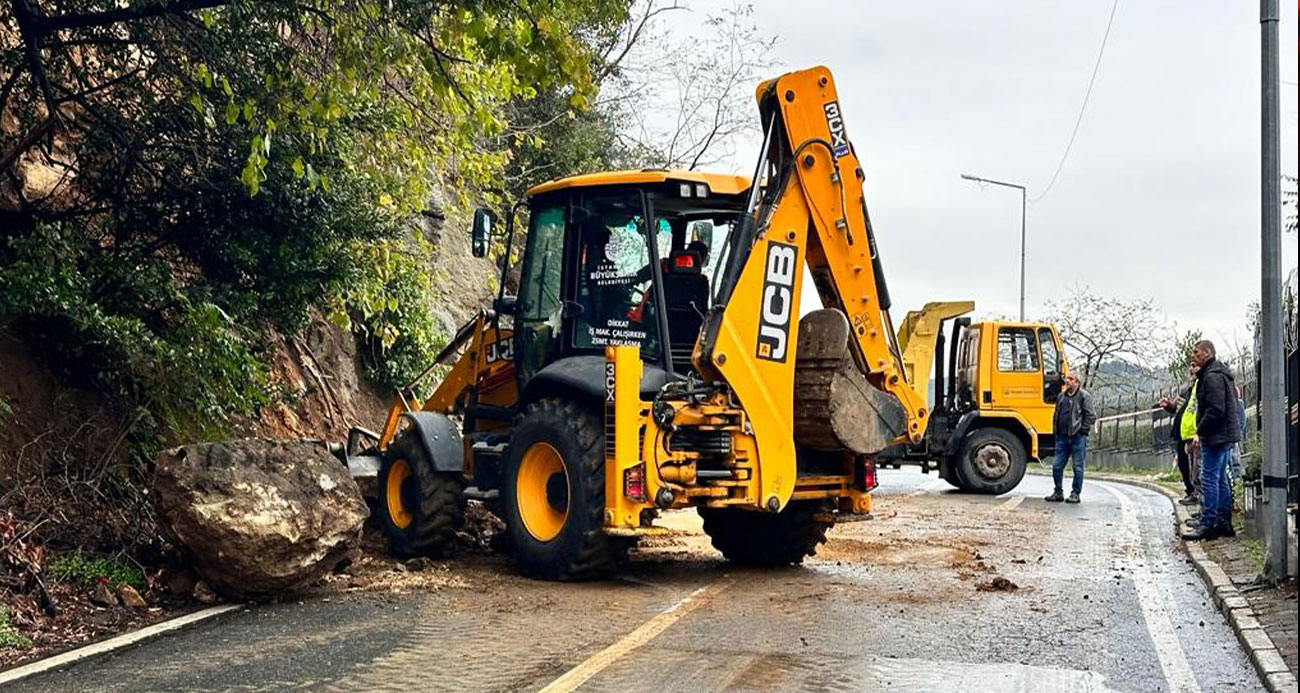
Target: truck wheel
419 507
991 461
553 494
766 539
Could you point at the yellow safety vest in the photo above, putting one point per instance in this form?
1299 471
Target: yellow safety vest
1187 426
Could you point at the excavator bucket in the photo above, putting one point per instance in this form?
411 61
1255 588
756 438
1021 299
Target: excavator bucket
836 407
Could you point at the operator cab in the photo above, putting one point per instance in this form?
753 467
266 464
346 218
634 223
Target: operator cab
621 258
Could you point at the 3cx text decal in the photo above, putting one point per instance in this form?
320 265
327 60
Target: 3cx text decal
609 381
778 301
835 121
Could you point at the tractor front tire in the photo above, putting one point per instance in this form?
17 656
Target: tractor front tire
420 508
991 461
553 493
766 539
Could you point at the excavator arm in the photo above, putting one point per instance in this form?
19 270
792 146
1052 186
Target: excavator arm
811 210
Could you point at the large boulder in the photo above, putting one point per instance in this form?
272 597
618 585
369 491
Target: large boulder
258 517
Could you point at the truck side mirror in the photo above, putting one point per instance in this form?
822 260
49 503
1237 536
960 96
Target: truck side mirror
481 231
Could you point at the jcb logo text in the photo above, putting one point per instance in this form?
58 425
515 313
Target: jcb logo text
778 302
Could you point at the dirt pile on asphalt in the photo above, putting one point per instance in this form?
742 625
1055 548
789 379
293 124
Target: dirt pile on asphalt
258 517
997 584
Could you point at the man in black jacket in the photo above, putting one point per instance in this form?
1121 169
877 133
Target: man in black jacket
1071 423
1217 431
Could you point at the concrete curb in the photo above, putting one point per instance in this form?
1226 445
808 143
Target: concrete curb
113 644
1259 647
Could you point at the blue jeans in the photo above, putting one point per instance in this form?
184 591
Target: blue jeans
1216 489
1067 447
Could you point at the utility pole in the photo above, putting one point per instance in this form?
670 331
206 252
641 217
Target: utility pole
1021 188
1272 415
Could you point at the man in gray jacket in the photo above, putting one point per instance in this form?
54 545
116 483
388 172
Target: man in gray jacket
1071 423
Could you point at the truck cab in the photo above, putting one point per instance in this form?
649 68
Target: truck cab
995 390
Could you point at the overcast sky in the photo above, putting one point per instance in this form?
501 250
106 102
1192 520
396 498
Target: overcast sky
1159 197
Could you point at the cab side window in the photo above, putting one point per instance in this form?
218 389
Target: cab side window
537 326
1017 350
1051 357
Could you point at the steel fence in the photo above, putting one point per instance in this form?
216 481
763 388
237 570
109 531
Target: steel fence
1134 423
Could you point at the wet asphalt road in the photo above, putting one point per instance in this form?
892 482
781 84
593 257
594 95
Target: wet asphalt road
1103 601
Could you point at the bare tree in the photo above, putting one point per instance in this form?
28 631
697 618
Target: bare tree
685 99
1099 330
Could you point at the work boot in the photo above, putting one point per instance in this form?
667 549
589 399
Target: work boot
1226 530
1056 497
1189 499
1201 534
1074 498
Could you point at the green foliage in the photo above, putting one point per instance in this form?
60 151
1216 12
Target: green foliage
1180 354
10 638
80 566
387 304
1256 552
257 165
133 335
551 139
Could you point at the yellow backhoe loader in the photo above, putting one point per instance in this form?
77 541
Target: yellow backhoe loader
653 358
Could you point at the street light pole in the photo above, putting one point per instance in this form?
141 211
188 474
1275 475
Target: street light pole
1272 419
1021 188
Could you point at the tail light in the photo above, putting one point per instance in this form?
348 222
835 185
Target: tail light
634 483
684 261
867 474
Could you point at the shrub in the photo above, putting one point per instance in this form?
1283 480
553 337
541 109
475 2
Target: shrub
81 566
10 638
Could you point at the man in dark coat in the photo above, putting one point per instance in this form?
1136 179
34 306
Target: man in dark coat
1071 423
1217 431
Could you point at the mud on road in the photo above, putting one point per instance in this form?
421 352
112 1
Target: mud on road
941 592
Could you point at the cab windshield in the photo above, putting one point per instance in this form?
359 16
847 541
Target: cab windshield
615 276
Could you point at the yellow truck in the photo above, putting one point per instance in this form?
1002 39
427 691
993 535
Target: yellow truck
994 391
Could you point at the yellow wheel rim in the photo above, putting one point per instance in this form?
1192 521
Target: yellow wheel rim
542 491
398 473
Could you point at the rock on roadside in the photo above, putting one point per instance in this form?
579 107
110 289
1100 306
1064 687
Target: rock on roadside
258 517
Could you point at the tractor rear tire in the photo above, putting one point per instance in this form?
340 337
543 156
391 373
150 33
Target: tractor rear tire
766 539
992 461
419 508
553 493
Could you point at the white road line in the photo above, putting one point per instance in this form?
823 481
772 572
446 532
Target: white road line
106 646
1173 660
643 634
1011 503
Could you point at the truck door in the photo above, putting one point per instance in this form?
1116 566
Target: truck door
1018 378
1052 375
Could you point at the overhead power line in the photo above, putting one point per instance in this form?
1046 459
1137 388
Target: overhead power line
1077 121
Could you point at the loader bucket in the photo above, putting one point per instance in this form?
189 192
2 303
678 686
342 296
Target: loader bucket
836 406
